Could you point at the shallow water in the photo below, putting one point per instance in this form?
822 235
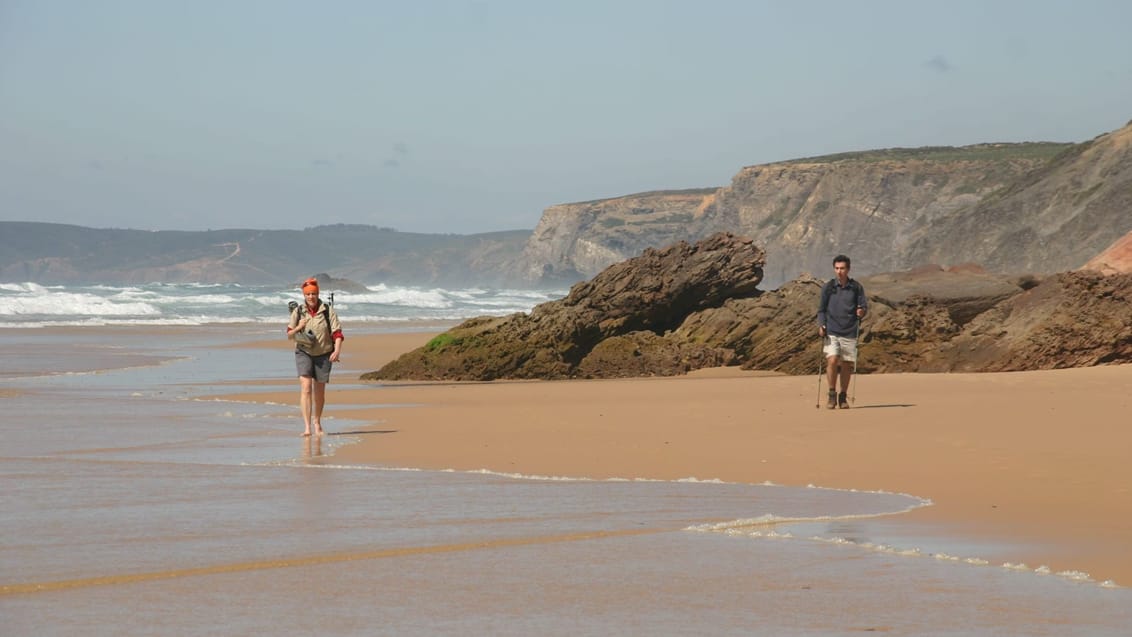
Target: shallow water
131 507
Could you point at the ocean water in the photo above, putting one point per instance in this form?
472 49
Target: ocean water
131 506
153 304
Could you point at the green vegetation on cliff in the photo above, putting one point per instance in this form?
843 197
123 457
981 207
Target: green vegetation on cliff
974 152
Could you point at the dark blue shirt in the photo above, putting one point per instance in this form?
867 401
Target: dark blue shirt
837 310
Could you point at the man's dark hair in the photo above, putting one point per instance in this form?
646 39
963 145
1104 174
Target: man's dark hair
841 258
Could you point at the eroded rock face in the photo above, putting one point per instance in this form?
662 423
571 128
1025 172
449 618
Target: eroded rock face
1073 319
1032 207
652 293
872 204
1050 220
648 354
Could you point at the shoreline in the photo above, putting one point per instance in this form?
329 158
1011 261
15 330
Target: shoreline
1033 461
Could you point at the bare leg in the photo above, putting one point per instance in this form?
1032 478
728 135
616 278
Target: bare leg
832 363
319 403
305 383
846 374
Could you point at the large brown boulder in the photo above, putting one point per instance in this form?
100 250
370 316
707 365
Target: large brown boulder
652 293
1073 319
648 354
770 331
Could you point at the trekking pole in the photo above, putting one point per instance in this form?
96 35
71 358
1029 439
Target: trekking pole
857 340
821 365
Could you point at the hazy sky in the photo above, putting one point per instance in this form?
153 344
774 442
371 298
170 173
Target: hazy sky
475 116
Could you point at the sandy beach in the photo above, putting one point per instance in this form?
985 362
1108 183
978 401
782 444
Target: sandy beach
1036 462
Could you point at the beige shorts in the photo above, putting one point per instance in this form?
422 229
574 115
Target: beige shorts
842 347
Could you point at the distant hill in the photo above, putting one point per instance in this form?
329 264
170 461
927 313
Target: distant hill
55 253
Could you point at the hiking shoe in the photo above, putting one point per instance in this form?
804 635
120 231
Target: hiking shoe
841 401
832 404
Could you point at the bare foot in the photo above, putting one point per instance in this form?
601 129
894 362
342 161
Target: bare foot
319 431
306 434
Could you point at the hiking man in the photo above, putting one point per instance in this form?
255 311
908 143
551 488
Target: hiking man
843 304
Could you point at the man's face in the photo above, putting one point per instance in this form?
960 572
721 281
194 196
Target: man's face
841 269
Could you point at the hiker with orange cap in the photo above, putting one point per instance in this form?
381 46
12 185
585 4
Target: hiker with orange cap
317 333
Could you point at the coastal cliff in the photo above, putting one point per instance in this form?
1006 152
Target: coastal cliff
870 205
1029 207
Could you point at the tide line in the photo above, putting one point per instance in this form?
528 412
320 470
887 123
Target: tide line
313 560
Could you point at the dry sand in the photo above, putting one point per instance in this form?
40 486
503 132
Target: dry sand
1040 460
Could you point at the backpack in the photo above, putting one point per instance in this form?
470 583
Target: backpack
325 319
831 285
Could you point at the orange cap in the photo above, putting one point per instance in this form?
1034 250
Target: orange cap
310 284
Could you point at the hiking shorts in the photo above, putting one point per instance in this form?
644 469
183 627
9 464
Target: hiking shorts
316 367
842 347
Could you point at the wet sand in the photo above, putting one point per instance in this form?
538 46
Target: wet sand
1034 462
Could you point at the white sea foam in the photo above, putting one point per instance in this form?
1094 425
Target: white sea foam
735 529
34 305
56 303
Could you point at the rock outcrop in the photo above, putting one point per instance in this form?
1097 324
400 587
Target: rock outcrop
652 293
1114 259
574 242
688 307
327 284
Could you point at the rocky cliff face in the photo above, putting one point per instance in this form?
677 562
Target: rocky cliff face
573 242
869 205
1053 219
1035 207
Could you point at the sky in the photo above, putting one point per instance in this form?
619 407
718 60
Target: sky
475 116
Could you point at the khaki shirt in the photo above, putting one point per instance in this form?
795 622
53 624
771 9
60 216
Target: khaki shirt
317 327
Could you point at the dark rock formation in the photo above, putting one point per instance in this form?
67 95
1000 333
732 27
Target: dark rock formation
1073 319
688 307
647 354
652 293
